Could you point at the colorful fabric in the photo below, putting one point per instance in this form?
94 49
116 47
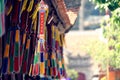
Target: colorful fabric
25 57
6 55
17 51
33 46
11 60
2 21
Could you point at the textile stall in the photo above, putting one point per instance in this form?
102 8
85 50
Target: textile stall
31 39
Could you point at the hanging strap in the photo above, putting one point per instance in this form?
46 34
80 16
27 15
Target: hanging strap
17 51
23 27
25 58
11 59
6 54
59 54
32 47
14 22
53 57
43 16
33 69
35 66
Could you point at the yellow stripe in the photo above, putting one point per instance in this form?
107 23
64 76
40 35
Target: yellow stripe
17 36
38 46
24 37
60 42
30 6
34 24
58 37
56 31
9 10
28 44
51 71
34 15
47 11
53 56
6 53
42 68
30 71
24 6
60 64
62 60
53 31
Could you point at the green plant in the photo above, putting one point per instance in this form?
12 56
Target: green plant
72 74
111 29
100 53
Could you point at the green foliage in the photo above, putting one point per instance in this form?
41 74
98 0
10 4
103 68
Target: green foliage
112 29
72 74
100 53
111 4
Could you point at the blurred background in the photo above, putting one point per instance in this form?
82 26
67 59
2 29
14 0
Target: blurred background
84 41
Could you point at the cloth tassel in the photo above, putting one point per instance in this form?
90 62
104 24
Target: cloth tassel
54 66
22 50
42 64
31 53
23 34
17 52
42 68
35 70
11 62
6 55
25 59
